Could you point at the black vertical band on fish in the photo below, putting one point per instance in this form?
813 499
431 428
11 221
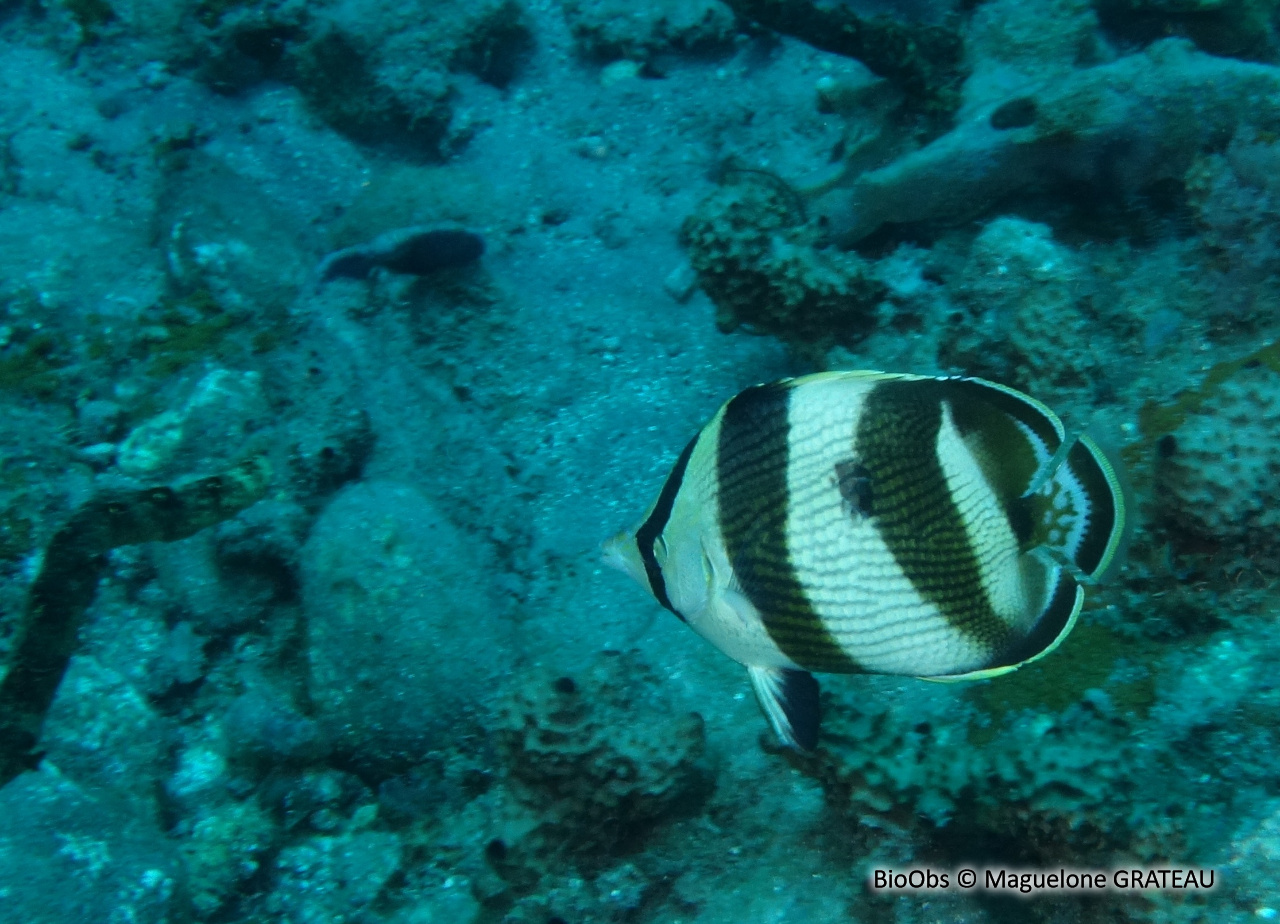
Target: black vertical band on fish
913 506
990 417
656 522
751 459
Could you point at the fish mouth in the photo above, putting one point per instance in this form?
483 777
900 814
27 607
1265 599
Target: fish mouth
613 551
622 553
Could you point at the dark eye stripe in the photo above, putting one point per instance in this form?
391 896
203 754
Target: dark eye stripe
652 528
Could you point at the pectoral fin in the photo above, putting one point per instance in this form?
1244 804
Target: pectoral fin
789 699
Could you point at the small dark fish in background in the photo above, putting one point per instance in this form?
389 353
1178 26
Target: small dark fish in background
414 251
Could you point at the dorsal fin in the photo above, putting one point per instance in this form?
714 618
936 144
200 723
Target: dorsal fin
1063 494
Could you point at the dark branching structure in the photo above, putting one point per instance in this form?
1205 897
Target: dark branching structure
68 580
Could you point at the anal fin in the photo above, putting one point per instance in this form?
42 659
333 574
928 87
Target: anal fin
1062 609
789 699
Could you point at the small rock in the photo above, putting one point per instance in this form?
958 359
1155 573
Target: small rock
619 71
333 878
151 445
70 855
406 639
681 282
99 421
99 455
223 411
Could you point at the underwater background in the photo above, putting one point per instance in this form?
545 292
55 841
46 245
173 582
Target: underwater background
302 612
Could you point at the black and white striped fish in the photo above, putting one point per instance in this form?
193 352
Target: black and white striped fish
869 522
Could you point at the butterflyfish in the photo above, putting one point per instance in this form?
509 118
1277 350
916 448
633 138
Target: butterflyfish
869 522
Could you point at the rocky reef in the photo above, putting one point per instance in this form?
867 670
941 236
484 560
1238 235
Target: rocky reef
302 616
1123 125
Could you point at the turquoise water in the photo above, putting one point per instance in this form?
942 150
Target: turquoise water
337 336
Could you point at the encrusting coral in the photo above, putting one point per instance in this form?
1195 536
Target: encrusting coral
755 256
595 777
1036 291
1218 476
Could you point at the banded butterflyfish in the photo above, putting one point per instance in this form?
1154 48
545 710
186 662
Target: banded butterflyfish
851 522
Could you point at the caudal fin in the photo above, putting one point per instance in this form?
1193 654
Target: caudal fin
1088 512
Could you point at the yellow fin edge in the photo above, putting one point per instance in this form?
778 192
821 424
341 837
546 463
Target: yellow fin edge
987 673
1122 493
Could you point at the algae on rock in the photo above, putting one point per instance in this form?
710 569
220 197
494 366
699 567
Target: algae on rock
379 71
1232 28
609 30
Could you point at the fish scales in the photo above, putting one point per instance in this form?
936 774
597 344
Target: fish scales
906 494
753 464
911 440
872 522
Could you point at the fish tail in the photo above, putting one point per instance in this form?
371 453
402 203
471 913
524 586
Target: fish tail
1084 510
